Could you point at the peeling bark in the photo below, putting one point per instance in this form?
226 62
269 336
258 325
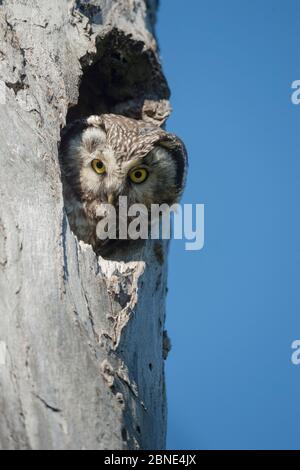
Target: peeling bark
84 337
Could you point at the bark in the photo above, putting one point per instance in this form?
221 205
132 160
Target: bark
81 338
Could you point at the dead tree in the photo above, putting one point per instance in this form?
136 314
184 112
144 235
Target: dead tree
81 338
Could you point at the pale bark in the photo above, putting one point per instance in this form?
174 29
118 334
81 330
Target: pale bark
81 338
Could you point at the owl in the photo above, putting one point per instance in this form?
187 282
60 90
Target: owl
108 156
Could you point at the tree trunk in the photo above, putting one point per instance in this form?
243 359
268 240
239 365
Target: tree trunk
82 339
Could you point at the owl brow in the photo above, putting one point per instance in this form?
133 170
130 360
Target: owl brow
149 159
130 164
140 159
92 143
91 140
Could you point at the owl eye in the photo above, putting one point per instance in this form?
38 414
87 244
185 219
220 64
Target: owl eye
98 166
139 175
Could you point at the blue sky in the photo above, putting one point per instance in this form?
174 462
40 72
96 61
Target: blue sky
234 307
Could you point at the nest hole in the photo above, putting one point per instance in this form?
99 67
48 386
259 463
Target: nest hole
119 78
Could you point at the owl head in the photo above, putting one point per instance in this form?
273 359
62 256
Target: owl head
108 156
